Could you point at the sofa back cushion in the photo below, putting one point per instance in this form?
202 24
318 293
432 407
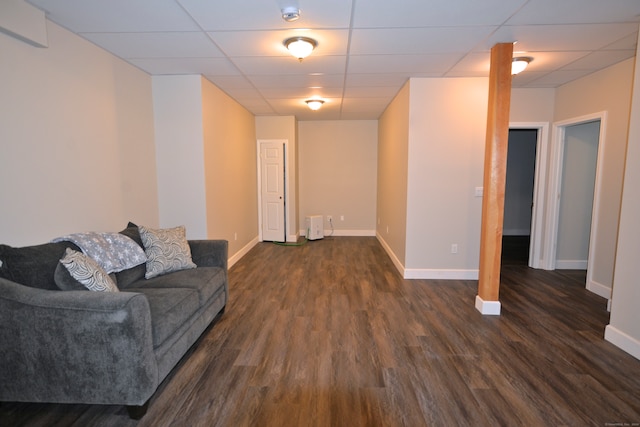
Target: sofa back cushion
33 266
131 275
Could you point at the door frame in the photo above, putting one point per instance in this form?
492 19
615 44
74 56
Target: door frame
555 184
536 254
285 142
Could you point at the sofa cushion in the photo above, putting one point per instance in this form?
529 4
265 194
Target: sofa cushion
205 280
33 266
87 271
127 277
170 309
167 250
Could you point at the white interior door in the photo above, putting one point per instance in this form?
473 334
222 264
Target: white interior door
272 191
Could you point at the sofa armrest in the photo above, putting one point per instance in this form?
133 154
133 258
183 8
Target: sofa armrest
75 346
209 253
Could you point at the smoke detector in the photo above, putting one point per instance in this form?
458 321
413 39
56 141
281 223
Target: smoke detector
290 13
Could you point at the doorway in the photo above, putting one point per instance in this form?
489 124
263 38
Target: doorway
519 194
534 205
575 182
272 194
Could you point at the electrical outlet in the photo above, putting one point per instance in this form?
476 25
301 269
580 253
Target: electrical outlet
341 217
454 248
330 218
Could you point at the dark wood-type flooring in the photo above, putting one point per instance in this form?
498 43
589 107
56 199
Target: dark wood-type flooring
329 334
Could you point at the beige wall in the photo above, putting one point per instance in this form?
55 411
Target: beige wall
285 127
230 169
337 173
624 328
446 158
206 161
393 161
77 140
608 90
532 105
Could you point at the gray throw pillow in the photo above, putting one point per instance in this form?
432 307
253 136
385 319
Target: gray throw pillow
167 250
87 271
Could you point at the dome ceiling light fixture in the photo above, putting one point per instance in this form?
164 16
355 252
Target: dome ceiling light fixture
300 47
519 63
314 104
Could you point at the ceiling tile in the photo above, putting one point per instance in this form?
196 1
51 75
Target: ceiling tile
267 15
419 13
163 66
96 16
285 65
562 37
416 40
157 45
576 12
436 64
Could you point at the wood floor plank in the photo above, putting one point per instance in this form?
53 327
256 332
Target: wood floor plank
329 334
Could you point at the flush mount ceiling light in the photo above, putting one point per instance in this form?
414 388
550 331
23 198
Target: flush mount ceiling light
314 104
519 63
300 47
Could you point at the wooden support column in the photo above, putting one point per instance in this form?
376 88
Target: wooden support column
495 171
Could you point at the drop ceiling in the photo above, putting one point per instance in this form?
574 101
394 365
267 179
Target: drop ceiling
367 49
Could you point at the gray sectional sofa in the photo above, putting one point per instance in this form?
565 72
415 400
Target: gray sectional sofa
79 346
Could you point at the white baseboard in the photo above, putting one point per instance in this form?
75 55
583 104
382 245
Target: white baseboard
599 289
424 273
622 340
392 255
489 308
352 233
571 264
292 238
242 252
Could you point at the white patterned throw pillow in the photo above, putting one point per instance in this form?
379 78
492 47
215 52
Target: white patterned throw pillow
87 271
167 250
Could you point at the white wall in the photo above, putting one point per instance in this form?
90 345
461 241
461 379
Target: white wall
447 129
624 327
77 140
337 173
177 103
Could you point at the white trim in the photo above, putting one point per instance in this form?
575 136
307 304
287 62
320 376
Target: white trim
555 183
443 274
489 308
537 253
622 340
571 264
599 289
352 233
392 255
242 252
